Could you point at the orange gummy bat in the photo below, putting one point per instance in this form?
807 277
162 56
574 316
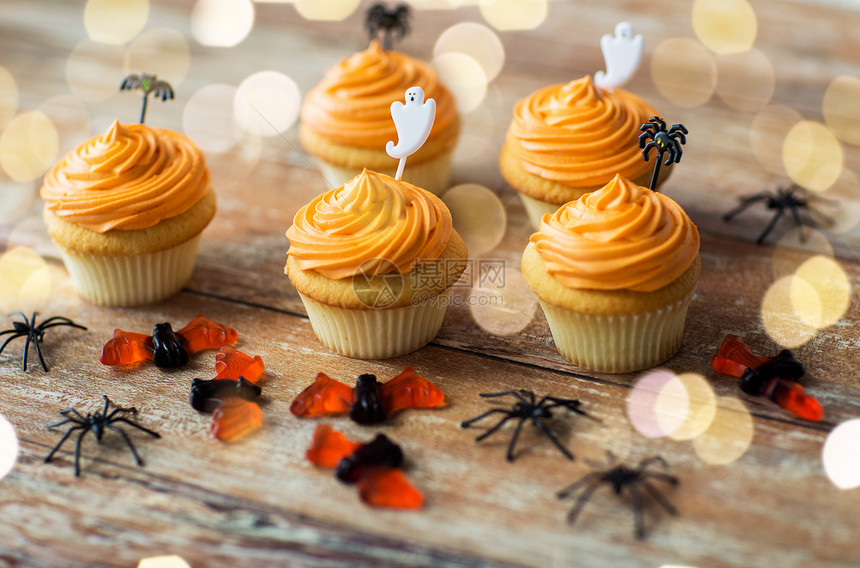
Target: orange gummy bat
234 418
370 401
231 395
374 467
775 377
165 347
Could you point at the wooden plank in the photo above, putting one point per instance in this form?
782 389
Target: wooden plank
499 511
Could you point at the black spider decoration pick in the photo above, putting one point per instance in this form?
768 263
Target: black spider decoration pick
655 135
392 23
623 477
793 198
34 333
148 84
527 407
97 422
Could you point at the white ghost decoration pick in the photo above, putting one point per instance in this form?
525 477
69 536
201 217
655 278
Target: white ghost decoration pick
413 122
622 54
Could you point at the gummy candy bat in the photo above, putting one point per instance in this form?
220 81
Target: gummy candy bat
374 467
231 395
370 402
165 347
775 377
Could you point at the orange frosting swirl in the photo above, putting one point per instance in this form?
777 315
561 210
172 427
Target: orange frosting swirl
129 178
579 135
352 104
621 237
370 225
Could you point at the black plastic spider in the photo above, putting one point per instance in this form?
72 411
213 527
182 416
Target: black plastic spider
620 477
655 135
34 333
147 84
394 24
97 422
792 198
527 408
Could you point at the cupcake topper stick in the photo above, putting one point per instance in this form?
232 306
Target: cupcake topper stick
413 122
148 84
394 24
622 54
655 135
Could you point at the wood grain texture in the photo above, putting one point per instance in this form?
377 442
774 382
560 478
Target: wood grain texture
258 502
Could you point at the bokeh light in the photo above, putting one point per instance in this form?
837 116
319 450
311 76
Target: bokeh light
780 321
25 280
841 108
8 447
812 155
221 23
702 407
163 562
8 96
478 42
725 26
500 309
208 118
841 455
464 77
767 133
745 81
115 21
161 51
479 216
514 14
94 71
658 404
820 292
326 10
267 103
28 146
684 71
729 435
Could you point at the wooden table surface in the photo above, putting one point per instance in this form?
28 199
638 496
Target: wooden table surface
258 502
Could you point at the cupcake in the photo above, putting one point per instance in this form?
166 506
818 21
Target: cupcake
373 261
614 272
346 122
126 210
571 139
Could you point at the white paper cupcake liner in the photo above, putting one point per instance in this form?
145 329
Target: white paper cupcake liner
376 334
432 175
617 343
536 209
131 280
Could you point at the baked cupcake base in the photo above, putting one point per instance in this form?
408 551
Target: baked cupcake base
376 334
612 331
381 316
131 280
618 343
